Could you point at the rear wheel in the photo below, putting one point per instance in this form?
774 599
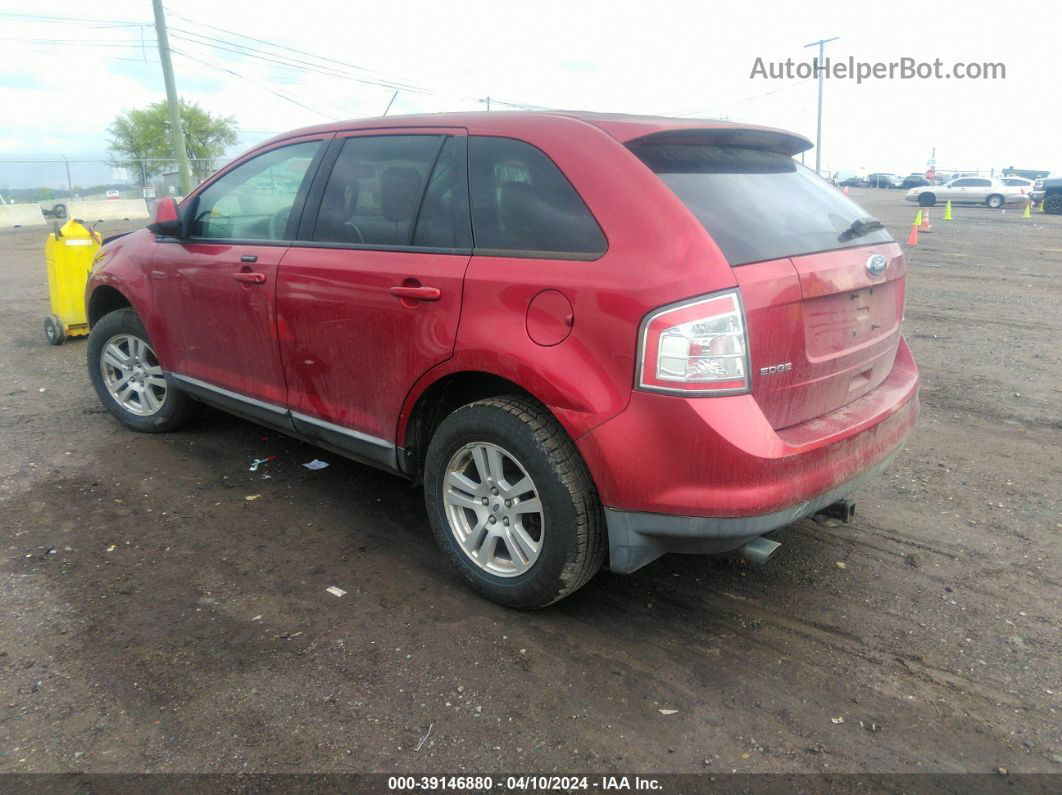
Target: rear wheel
53 330
926 199
511 503
1053 204
128 378
995 201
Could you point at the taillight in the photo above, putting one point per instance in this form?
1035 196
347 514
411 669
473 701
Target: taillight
697 347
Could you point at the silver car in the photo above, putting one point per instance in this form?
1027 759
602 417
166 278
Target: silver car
969 190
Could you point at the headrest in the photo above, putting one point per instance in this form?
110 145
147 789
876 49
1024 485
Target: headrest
399 193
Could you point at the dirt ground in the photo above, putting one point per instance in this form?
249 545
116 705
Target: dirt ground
155 618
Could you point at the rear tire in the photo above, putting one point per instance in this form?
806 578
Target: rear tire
995 201
128 378
53 330
926 199
1053 204
525 437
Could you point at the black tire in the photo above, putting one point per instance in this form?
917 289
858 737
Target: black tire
995 201
54 331
176 405
926 199
573 537
1053 204
59 211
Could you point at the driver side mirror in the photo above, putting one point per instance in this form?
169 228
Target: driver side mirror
167 218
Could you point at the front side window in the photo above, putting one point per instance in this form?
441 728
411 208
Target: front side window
254 200
374 194
522 203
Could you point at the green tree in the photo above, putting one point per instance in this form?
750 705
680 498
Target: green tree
144 134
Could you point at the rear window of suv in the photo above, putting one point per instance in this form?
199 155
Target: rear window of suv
756 204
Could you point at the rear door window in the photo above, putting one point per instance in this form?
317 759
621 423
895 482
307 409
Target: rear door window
523 205
756 204
374 193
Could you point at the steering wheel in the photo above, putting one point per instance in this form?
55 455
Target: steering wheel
278 223
354 232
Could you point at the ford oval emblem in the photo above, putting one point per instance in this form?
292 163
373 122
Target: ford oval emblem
876 265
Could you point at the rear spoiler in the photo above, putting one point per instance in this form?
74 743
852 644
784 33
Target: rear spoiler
784 143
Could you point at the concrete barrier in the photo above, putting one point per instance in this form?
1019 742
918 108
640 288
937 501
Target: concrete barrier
107 210
12 215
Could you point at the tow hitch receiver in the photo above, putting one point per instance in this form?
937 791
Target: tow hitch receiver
842 509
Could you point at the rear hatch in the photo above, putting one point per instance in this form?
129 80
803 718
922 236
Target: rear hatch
821 282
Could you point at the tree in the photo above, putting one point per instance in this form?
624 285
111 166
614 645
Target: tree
140 139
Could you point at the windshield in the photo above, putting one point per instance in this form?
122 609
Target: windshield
757 205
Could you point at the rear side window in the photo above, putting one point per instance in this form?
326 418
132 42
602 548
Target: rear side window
374 192
756 204
522 204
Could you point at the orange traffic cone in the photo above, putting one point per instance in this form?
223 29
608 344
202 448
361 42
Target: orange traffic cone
845 190
912 239
925 227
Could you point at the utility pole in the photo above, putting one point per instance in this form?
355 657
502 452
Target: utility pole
487 101
69 184
818 127
176 130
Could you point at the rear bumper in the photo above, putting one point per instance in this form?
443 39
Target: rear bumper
708 474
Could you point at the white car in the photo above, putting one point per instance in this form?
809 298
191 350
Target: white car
989 191
1025 185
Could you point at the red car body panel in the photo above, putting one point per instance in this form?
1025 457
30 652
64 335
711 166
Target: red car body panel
217 329
324 336
351 349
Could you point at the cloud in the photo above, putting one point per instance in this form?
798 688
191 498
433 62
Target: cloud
620 56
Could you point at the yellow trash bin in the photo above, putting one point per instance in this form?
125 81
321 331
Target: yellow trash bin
68 254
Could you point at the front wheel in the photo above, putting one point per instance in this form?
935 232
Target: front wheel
995 201
128 377
1053 204
926 200
511 503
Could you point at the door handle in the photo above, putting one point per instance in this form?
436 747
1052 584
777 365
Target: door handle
248 277
417 293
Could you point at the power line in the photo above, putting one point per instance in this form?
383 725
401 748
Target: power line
79 20
279 46
253 82
289 64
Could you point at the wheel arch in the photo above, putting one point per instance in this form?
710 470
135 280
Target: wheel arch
430 403
104 300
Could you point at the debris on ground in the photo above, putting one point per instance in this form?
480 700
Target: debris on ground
316 464
668 711
259 461
837 720
424 739
335 591
252 497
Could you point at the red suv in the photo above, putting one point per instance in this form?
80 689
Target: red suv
585 334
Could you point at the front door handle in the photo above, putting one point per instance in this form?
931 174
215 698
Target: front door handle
249 277
417 293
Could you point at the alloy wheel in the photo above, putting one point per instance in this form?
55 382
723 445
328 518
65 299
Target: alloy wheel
493 509
133 375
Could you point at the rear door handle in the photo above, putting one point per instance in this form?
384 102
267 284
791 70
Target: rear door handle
249 277
418 293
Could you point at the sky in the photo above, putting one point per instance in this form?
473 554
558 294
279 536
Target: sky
62 83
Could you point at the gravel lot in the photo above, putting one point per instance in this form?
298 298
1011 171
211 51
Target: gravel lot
154 617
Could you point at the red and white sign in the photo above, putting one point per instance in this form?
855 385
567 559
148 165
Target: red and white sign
931 174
